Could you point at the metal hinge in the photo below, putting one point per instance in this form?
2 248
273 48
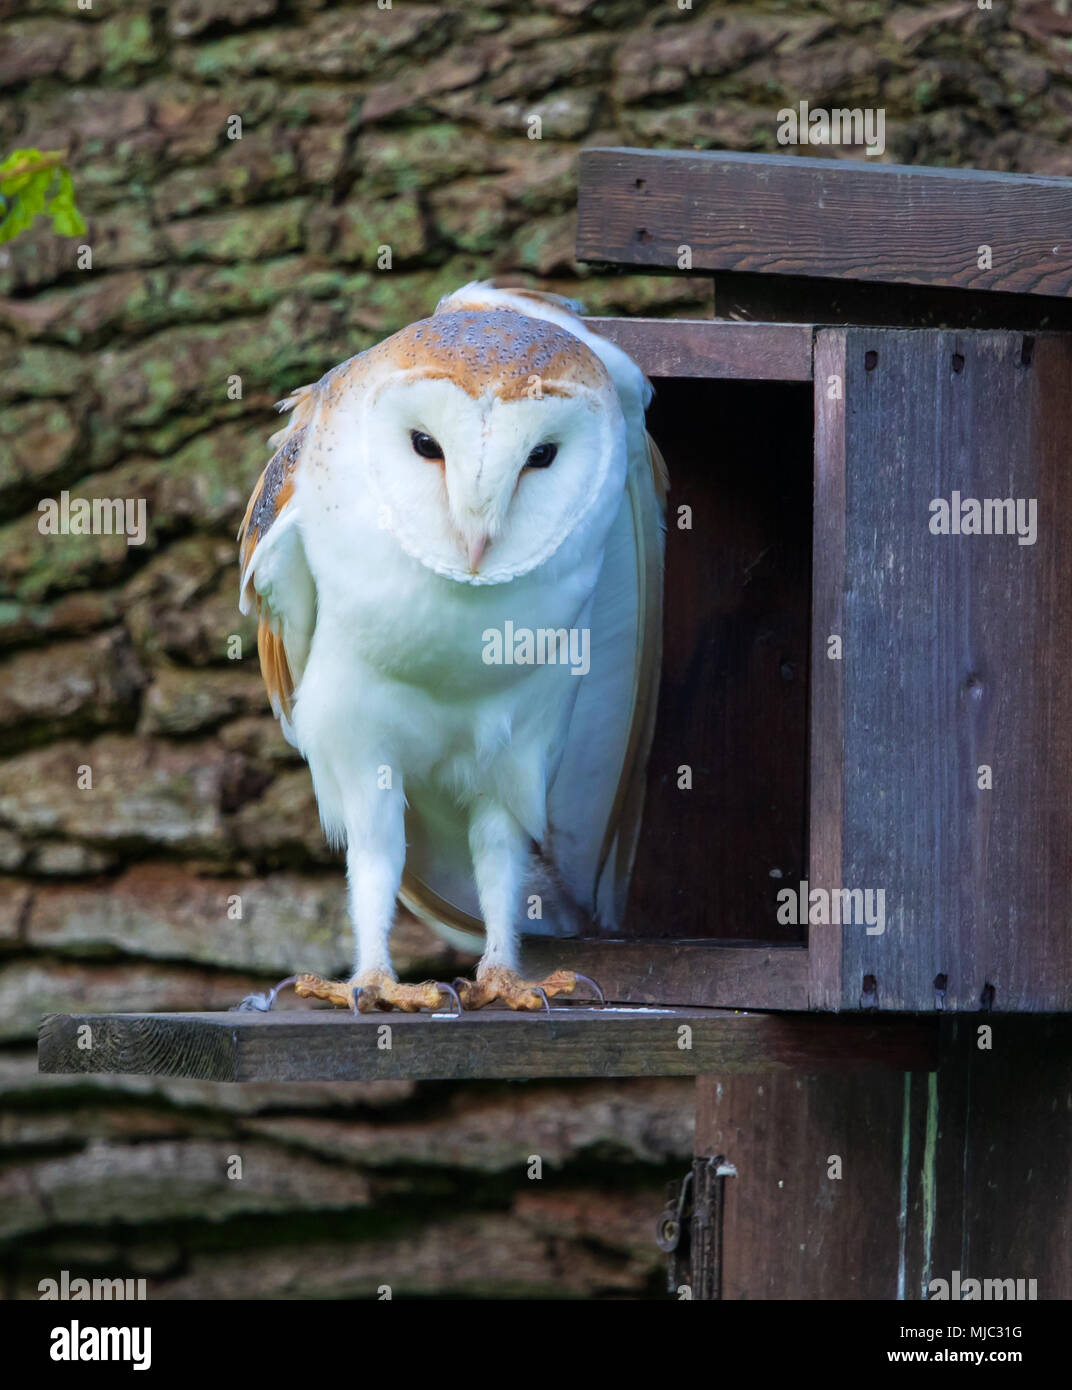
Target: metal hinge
690 1229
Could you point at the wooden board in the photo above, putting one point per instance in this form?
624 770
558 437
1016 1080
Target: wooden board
964 1169
956 655
734 695
801 299
713 974
789 1229
801 216
715 350
331 1045
1003 1136
827 711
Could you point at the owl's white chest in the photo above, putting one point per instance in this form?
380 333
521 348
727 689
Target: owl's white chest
405 671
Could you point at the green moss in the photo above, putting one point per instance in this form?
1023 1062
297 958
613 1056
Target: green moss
41 371
364 225
399 161
248 235
126 42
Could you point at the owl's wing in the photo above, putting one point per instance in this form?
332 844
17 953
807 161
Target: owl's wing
596 799
275 573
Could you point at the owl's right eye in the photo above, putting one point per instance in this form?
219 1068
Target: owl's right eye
425 445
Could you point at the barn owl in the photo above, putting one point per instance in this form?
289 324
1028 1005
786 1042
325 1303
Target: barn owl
455 554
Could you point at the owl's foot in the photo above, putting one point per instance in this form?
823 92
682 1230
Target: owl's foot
496 982
376 989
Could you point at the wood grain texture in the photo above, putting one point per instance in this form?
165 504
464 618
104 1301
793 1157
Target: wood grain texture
330 1045
715 350
963 1169
957 656
799 299
826 710
996 1180
733 700
794 215
711 974
789 1229
1013 1102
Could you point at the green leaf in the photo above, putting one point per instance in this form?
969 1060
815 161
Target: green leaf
43 186
12 182
33 190
68 223
66 219
16 220
17 158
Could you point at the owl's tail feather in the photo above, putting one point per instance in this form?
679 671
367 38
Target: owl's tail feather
561 913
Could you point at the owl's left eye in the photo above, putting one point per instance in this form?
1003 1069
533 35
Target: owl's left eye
425 445
542 456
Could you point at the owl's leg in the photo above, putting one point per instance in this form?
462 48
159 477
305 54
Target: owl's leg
375 855
500 851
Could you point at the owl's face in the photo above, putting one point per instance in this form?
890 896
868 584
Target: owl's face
487 439
484 490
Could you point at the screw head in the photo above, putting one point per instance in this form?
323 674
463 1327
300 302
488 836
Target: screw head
667 1233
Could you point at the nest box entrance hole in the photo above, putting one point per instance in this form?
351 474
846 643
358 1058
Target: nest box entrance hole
725 820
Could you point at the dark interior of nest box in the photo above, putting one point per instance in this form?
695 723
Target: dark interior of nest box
733 703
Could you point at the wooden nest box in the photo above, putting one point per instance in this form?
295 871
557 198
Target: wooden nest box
866 703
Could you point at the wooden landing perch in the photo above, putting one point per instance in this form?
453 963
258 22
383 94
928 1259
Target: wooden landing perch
331 1045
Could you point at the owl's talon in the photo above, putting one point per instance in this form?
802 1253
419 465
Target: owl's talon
587 979
260 1003
543 995
263 1003
367 999
449 989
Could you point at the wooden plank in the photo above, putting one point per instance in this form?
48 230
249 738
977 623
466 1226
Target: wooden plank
963 1169
994 1178
942 1134
826 712
989 1191
331 1045
790 1230
801 299
705 348
711 974
1018 1197
957 658
795 215
733 701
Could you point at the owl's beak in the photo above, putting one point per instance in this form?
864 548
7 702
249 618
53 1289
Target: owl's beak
477 546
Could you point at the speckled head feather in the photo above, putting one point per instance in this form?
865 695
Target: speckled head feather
493 352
